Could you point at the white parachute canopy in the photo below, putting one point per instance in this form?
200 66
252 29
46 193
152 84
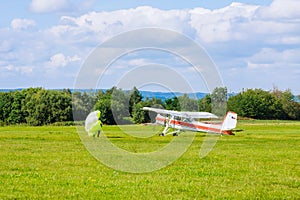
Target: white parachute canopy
91 121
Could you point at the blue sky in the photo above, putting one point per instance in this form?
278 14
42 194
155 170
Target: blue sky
254 44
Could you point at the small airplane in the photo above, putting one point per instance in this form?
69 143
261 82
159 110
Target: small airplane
181 120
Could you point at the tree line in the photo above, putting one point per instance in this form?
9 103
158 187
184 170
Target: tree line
38 106
260 104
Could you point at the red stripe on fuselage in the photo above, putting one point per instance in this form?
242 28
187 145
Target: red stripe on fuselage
197 127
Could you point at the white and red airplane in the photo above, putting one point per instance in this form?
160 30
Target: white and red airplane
187 121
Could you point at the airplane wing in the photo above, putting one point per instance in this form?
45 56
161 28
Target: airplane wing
194 115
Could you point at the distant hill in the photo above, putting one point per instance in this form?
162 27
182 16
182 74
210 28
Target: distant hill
149 94
169 95
10 90
146 94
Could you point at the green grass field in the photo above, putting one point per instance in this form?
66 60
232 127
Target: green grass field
261 162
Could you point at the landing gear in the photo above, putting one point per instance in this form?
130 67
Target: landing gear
176 133
166 131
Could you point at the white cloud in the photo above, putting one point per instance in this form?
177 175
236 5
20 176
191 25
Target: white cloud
222 24
20 69
273 60
107 24
281 9
20 24
286 40
10 67
273 55
138 62
240 35
237 22
46 6
60 60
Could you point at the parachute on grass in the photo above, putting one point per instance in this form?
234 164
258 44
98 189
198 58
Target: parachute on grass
93 123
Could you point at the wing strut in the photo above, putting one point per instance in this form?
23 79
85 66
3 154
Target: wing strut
168 125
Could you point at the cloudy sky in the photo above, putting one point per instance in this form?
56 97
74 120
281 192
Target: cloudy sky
254 43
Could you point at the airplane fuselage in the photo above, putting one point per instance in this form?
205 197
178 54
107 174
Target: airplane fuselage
190 125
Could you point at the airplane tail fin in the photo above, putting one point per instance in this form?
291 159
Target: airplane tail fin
229 123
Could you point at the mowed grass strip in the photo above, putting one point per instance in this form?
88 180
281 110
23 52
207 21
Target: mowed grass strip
262 161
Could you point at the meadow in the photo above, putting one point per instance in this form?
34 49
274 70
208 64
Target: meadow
51 162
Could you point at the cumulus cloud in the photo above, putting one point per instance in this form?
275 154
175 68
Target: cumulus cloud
237 36
21 69
47 6
222 24
236 22
21 24
273 58
107 24
60 60
281 9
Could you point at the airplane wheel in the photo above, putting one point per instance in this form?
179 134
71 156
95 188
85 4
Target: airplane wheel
175 134
161 134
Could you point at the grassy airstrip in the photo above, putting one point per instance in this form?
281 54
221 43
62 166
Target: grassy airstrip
260 162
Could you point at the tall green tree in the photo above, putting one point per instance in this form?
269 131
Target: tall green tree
38 108
17 115
188 104
172 104
290 108
61 106
135 98
113 106
83 103
5 106
138 115
104 106
255 103
219 101
141 116
205 104
46 106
